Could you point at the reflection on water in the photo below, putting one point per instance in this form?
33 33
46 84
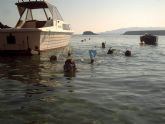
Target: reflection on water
115 89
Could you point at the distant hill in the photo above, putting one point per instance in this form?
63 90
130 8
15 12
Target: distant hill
89 33
123 30
154 32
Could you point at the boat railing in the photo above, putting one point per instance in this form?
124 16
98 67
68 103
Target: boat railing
34 24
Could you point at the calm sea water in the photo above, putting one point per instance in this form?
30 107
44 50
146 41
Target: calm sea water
114 90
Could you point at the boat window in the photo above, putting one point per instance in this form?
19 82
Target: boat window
36 18
39 14
24 15
36 14
11 39
29 15
66 26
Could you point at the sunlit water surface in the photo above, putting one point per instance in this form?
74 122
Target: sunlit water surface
114 90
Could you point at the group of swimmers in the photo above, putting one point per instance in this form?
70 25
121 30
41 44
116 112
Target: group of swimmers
126 53
111 51
70 66
85 39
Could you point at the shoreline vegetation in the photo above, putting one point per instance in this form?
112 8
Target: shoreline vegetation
154 32
139 32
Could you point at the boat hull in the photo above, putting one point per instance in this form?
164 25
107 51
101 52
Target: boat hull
27 40
149 39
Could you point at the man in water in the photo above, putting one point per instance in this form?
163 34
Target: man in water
103 44
127 53
69 66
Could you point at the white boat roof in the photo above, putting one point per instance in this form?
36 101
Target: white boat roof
22 6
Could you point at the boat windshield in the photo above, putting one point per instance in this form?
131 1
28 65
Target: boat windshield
37 14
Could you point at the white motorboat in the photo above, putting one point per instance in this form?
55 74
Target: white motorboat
35 31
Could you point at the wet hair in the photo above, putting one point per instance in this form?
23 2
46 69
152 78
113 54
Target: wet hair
110 51
127 53
53 58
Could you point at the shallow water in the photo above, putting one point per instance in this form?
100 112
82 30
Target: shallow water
114 90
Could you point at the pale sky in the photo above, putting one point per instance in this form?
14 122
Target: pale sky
99 15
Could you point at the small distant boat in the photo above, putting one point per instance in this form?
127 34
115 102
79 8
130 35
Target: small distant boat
35 32
149 39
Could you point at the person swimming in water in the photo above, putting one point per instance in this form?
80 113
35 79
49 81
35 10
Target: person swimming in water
110 51
103 44
69 66
127 53
92 54
53 58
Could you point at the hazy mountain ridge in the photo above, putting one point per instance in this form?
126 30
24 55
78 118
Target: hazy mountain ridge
123 30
